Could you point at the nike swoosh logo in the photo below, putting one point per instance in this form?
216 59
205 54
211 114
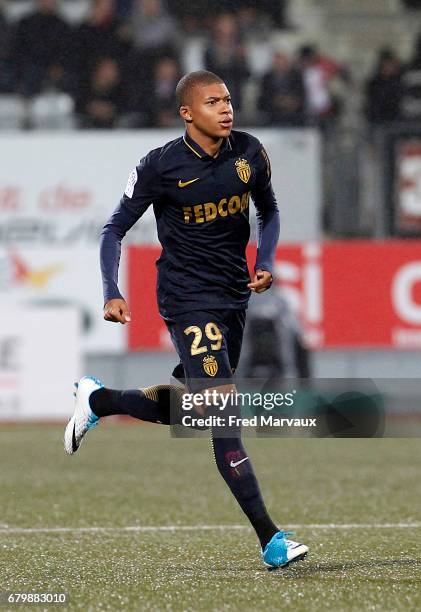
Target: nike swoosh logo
235 463
185 183
74 444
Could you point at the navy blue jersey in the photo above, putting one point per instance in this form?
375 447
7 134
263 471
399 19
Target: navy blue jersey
201 206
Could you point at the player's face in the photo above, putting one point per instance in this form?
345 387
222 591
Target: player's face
210 110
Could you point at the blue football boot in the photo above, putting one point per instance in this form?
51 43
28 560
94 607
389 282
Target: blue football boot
83 418
280 552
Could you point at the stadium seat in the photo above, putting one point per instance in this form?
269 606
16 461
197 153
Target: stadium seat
52 111
73 10
12 112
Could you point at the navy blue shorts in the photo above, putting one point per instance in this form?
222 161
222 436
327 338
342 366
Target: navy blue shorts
208 343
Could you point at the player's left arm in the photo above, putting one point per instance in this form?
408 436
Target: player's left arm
268 226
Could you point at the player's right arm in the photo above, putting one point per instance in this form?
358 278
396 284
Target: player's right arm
141 191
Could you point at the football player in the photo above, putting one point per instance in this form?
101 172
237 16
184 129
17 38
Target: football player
199 186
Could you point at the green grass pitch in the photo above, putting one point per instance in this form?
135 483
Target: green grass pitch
360 492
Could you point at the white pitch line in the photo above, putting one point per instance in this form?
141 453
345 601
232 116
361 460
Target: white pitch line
156 528
134 528
357 526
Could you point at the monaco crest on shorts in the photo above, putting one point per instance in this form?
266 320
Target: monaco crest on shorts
243 170
210 365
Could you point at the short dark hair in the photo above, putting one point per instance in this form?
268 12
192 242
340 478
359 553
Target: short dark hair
194 79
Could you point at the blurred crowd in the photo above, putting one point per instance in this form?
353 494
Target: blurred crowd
119 67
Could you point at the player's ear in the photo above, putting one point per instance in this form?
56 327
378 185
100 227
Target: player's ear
186 114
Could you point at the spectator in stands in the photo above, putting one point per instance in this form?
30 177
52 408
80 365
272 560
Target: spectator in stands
253 24
40 48
154 36
6 70
160 106
225 55
411 80
274 10
274 346
154 30
101 35
384 90
282 95
190 15
320 74
123 9
104 100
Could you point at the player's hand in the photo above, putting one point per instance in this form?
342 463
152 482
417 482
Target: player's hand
262 280
117 311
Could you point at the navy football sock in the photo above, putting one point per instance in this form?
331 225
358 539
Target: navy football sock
236 469
150 404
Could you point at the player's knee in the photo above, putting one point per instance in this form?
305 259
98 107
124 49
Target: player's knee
214 398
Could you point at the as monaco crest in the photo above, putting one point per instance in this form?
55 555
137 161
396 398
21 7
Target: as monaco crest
210 365
243 170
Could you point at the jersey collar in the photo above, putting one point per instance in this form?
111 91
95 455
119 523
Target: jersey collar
197 150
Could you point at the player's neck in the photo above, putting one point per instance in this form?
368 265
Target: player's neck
207 143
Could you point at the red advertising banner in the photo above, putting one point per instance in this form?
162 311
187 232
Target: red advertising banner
349 294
